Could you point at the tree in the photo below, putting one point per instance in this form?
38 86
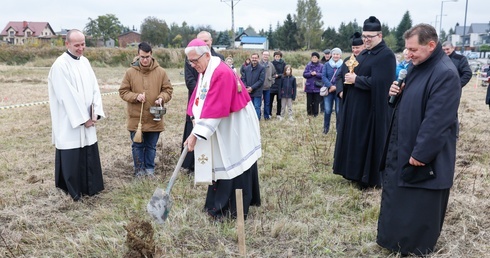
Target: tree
154 31
286 35
442 35
390 41
270 37
177 41
405 24
105 27
300 20
330 38
223 39
310 24
345 32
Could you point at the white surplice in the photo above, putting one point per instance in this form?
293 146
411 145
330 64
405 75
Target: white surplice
226 146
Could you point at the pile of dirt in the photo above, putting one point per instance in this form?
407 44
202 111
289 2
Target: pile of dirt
139 239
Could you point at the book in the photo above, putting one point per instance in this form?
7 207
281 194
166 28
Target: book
93 116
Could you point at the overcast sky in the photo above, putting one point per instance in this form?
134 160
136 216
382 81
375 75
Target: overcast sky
257 13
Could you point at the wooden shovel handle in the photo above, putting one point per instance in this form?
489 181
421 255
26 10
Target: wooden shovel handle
176 170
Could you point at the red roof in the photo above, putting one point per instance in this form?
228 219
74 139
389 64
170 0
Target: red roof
20 28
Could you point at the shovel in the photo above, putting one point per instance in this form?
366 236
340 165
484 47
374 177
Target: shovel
160 203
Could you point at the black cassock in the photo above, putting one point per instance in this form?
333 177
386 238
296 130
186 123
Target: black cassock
364 117
410 219
78 172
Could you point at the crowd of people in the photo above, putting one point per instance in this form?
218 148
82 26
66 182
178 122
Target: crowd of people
406 146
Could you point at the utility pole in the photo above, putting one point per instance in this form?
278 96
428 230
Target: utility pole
464 27
232 19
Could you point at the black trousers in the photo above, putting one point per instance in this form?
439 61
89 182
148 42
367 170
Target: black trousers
313 100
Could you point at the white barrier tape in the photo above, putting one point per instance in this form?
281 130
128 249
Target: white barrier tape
47 102
25 105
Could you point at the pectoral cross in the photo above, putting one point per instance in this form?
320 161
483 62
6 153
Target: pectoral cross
202 159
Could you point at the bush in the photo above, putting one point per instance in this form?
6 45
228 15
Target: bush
113 57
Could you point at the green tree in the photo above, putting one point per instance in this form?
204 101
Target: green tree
154 31
330 38
442 35
223 39
405 24
177 41
310 24
270 37
105 27
345 32
286 35
390 41
188 33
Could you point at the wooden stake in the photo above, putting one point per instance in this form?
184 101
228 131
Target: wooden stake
240 222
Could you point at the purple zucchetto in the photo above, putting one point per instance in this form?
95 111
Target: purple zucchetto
196 43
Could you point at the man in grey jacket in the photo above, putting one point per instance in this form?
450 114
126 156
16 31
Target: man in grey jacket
270 73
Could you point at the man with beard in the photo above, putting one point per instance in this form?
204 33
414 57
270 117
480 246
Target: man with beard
365 111
254 77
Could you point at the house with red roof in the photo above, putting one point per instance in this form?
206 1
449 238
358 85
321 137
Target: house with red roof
19 33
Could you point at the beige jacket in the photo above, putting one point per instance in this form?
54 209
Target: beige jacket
154 82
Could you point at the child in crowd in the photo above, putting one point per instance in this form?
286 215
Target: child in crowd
287 92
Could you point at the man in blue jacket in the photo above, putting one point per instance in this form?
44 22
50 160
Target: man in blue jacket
254 78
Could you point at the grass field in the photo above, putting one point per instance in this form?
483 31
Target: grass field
306 210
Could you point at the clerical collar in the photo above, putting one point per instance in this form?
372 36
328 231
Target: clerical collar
72 55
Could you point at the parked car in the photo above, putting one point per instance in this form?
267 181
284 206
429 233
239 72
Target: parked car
473 55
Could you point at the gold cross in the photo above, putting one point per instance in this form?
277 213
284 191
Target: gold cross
351 63
203 159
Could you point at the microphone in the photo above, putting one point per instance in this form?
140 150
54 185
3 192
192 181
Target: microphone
401 77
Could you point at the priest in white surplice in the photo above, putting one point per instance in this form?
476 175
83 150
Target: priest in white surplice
226 135
76 105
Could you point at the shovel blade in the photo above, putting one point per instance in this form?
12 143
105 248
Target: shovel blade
159 205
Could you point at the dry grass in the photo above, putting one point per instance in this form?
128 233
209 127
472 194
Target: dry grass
306 210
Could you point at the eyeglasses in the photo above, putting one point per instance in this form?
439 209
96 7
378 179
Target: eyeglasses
369 36
194 61
145 57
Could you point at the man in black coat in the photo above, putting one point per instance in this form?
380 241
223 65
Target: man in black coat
191 75
422 142
459 61
365 112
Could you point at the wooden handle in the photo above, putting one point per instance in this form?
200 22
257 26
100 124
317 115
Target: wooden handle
141 112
